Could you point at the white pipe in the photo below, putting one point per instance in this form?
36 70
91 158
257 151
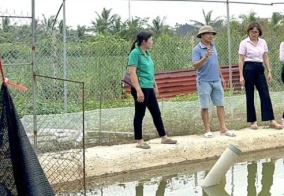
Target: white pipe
221 167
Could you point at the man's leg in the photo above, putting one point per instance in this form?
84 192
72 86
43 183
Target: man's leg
217 97
221 118
205 119
204 91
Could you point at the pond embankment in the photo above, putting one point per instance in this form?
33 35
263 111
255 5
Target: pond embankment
111 160
108 161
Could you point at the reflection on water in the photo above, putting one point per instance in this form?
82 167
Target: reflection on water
216 190
252 174
264 177
268 169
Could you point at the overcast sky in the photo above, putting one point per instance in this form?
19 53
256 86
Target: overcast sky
82 12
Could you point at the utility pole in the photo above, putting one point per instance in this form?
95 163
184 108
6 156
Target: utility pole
129 15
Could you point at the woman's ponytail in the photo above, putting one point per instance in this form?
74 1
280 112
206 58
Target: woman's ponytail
133 45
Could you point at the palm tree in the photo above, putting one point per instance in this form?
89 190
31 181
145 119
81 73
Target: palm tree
47 23
207 17
137 22
60 26
275 24
133 27
235 26
104 22
216 23
5 24
81 30
157 25
251 17
277 18
247 19
117 25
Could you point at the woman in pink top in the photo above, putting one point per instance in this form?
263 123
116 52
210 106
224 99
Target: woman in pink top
253 52
281 56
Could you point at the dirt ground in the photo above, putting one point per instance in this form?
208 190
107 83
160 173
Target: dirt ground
102 161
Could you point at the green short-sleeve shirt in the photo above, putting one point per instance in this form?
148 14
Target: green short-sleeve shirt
145 67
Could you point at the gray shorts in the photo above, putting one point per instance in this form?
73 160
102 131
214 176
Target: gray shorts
210 91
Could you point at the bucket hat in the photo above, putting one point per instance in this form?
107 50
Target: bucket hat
205 29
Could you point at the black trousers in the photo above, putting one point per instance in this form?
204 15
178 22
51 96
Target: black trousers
254 77
150 102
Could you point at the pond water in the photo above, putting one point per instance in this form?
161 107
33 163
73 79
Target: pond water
259 173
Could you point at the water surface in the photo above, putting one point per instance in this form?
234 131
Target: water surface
258 173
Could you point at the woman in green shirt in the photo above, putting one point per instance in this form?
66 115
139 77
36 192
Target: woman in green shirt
145 89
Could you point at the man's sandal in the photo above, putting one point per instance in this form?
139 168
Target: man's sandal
208 134
228 133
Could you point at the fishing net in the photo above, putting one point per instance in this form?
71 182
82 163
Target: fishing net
20 170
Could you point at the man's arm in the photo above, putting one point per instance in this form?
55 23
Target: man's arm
202 61
222 78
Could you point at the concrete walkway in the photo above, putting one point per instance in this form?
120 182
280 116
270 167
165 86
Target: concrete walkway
117 159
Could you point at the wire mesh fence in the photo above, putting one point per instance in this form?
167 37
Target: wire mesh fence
56 129
59 139
99 62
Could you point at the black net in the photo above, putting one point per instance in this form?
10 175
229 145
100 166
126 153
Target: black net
20 170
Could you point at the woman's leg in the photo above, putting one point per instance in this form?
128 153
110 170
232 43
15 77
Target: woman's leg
140 109
249 76
154 109
265 101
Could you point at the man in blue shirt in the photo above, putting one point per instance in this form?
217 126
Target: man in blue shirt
210 81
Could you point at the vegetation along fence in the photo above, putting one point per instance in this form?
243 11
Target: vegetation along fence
96 57
99 61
